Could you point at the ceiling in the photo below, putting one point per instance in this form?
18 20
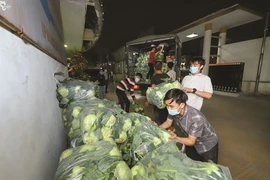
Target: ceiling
229 17
82 23
73 18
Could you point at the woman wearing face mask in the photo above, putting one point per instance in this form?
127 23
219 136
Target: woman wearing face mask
127 84
197 85
190 127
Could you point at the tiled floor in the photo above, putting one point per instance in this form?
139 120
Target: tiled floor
243 126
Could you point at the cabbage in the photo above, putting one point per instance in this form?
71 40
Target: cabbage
63 91
76 111
77 89
66 154
75 124
127 124
77 173
122 171
115 152
87 147
138 169
89 121
90 137
122 137
106 132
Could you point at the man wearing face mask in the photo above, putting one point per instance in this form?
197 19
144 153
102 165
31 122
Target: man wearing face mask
127 84
190 127
197 85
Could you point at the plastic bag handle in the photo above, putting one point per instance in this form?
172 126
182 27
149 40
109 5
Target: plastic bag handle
56 80
183 145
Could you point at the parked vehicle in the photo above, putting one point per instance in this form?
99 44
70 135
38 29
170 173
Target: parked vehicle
134 49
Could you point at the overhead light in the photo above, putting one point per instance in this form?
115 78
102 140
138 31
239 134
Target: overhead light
65 46
192 35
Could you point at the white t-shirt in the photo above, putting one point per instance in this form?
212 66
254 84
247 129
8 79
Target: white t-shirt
202 83
172 74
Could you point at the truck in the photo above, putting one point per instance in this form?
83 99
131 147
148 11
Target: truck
136 48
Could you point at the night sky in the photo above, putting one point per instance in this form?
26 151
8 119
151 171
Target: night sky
126 20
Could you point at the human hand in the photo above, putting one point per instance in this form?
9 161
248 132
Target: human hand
154 123
173 135
187 90
135 101
147 103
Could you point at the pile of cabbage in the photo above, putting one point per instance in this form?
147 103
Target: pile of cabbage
155 95
107 143
72 90
141 65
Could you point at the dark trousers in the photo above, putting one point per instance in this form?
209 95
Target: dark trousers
106 85
151 71
160 115
123 100
212 154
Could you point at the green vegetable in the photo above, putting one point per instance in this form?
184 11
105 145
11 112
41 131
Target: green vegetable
90 137
75 124
89 122
127 124
122 171
106 132
63 91
77 172
77 89
122 137
115 152
138 169
155 95
66 154
76 111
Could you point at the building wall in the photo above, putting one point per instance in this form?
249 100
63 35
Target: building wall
31 129
119 58
249 52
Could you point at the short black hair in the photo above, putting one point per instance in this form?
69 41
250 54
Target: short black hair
158 65
139 74
170 65
200 60
176 95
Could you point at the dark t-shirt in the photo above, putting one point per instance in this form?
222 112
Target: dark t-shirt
101 80
158 78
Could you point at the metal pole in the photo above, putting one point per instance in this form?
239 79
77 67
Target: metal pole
256 90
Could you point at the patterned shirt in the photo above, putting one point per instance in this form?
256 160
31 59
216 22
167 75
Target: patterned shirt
194 123
127 84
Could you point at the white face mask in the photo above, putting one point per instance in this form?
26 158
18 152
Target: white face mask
137 79
193 69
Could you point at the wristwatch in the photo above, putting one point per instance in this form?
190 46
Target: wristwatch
194 90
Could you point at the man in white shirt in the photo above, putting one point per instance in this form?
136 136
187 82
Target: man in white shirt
171 72
197 85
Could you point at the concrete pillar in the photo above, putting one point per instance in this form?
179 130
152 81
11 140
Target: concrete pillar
207 47
221 42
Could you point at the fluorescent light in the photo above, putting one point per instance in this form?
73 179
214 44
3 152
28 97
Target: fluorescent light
65 45
192 35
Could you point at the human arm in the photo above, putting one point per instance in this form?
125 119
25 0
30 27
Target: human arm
188 141
166 124
202 94
160 51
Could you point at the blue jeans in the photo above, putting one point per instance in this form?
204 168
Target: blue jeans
101 92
